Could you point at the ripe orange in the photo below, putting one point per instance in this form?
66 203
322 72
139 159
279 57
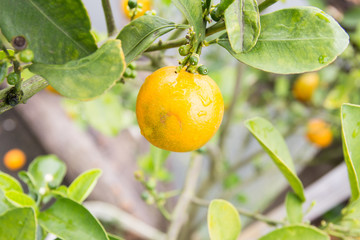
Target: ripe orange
146 6
179 112
305 85
14 159
319 133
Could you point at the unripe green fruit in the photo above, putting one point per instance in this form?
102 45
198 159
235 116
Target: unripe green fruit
127 72
13 78
26 56
184 50
132 4
132 65
194 60
203 70
133 74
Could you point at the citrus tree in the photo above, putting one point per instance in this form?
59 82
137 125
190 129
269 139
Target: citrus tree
178 108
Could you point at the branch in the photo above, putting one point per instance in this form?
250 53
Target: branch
265 4
230 112
257 216
30 87
219 26
160 45
180 214
110 23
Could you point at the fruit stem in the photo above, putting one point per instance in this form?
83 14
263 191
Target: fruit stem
265 4
110 23
166 45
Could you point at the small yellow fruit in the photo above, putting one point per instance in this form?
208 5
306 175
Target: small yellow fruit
305 85
179 112
319 133
146 6
14 159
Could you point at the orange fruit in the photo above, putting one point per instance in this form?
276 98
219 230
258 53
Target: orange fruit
146 6
305 85
179 112
319 133
14 159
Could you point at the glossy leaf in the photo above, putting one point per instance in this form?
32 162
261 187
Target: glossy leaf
350 121
28 179
69 220
223 220
293 208
4 203
294 40
18 224
297 232
7 183
47 169
138 35
242 20
56 31
88 77
19 199
273 143
61 191
83 185
192 11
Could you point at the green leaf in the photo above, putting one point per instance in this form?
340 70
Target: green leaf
19 199
223 220
4 203
351 18
294 40
192 11
7 183
69 220
350 121
293 208
138 35
273 143
83 185
47 169
3 71
61 191
88 77
56 31
242 20
297 232
18 224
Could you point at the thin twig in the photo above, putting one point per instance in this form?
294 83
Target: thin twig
230 111
30 87
217 27
180 214
257 216
110 23
166 45
265 4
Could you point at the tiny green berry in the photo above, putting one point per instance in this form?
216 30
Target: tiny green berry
133 74
194 60
13 78
203 70
132 65
132 4
26 56
127 72
184 50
